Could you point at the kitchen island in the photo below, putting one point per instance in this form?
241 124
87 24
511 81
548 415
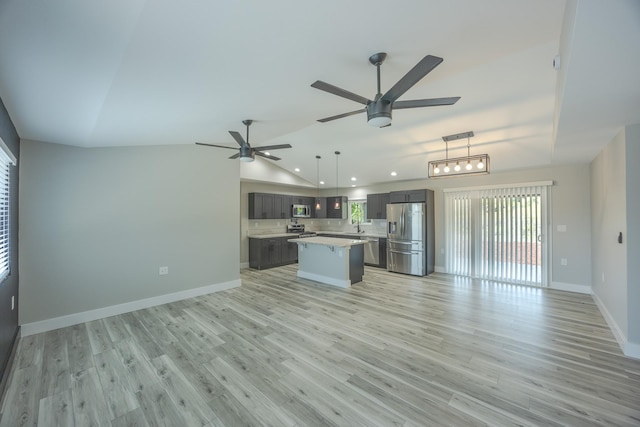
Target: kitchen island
330 260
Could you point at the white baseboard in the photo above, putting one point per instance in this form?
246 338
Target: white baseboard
571 287
244 265
632 349
439 269
100 313
629 349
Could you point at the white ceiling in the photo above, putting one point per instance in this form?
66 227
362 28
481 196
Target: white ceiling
136 72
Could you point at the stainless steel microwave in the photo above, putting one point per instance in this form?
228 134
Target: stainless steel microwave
301 211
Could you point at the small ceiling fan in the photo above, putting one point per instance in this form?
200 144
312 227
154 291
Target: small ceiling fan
246 152
379 109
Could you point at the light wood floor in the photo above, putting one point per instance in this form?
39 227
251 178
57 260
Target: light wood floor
392 350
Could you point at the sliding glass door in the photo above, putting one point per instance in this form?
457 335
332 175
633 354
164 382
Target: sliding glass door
498 233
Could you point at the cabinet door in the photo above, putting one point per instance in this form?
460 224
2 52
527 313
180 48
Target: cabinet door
339 213
281 206
260 206
397 197
382 203
377 205
292 252
417 196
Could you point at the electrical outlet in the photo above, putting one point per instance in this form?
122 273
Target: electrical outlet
163 271
563 261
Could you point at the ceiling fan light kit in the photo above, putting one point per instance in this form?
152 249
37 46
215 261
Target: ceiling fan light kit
477 164
379 109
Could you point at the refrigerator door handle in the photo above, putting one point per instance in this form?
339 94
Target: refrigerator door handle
405 253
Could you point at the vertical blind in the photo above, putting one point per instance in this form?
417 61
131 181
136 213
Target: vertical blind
498 233
6 159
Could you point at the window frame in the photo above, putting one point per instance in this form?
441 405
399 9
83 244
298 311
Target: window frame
362 202
7 159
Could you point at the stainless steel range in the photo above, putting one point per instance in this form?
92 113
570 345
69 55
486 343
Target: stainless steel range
300 231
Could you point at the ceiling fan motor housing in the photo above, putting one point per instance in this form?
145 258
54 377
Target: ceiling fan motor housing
379 113
247 154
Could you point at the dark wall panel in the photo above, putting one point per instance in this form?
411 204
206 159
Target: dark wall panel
9 287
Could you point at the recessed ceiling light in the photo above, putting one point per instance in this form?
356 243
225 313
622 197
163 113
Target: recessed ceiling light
297 169
321 182
353 178
393 174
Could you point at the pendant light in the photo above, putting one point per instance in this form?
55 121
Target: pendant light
337 203
318 205
463 165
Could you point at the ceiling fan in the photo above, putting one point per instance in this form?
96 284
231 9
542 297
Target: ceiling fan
247 153
379 109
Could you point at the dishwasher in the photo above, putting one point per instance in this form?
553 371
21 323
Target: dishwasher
372 251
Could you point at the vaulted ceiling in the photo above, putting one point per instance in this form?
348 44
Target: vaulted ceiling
146 72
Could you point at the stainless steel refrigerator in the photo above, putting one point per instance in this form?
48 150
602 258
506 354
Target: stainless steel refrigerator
410 240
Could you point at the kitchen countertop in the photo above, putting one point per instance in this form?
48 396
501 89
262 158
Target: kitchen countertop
329 241
320 233
273 235
350 233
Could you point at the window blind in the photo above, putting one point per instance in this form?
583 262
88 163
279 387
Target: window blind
6 159
498 233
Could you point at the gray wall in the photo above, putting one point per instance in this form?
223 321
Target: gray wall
632 237
96 224
616 203
9 288
609 217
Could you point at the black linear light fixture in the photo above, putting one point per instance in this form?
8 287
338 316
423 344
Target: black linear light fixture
469 165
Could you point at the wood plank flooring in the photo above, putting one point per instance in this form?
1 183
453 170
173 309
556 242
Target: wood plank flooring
393 350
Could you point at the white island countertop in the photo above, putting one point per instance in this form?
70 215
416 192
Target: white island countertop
329 241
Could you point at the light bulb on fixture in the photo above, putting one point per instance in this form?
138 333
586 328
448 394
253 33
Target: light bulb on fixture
457 167
468 167
436 169
480 164
446 168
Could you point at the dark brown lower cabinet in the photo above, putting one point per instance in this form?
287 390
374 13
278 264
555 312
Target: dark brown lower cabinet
272 252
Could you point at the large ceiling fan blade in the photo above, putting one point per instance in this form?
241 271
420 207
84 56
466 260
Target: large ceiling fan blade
214 145
318 84
272 147
414 75
433 102
239 139
235 156
339 116
270 157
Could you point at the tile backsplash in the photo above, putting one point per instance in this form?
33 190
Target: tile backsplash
273 226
